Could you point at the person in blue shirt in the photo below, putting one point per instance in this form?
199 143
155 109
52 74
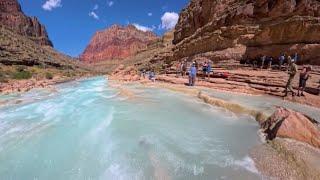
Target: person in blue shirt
296 57
281 60
192 74
152 76
209 68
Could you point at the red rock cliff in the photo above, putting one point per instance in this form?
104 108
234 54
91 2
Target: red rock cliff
12 17
116 42
247 28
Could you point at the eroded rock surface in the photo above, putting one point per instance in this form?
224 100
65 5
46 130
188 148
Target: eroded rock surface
250 28
286 123
117 42
12 17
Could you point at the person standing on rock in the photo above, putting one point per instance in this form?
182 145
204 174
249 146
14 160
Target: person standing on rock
289 59
209 68
292 73
204 69
178 69
296 57
196 64
263 59
192 74
270 63
144 73
281 61
304 76
152 76
184 68
255 62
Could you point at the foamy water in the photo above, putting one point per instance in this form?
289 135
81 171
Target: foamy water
88 130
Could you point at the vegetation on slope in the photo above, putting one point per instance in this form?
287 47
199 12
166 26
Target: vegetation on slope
21 58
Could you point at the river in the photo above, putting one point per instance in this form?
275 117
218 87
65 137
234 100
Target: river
90 130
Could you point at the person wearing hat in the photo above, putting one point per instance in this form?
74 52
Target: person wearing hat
292 71
304 76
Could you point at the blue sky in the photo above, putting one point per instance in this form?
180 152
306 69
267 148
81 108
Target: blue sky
72 23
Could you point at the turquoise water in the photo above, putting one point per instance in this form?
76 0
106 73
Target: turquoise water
89 130
264 103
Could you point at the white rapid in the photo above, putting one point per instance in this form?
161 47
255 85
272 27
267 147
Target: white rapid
88 130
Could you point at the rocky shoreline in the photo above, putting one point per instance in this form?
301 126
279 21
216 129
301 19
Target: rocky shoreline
240 80
19 86
291 140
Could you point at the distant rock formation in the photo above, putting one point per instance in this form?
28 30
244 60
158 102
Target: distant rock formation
117 42
235 29
12 17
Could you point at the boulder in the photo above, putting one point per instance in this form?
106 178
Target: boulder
285 123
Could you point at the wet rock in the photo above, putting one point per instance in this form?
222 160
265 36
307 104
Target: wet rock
285 123
287 159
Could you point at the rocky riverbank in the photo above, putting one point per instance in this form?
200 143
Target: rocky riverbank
290 148
14 86
239 80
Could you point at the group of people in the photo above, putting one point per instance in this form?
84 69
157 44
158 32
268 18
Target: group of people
304 76
193 70
291 67
151 75
263 61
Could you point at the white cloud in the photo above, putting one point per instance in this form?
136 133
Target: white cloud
51 4
110 3
94 15
169 20
143 28
150 14
96 7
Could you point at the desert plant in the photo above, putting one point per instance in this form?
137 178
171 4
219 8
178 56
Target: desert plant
49 75
22 75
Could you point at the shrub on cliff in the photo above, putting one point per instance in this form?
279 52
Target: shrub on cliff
49 75
22 75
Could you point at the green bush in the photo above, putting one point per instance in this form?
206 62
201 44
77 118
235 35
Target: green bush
22 75
49 75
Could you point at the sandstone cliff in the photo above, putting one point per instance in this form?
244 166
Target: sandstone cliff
27 53
117 42
12 17
235 29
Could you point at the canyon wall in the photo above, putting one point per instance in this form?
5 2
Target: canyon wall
12 17
237 29
117 42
